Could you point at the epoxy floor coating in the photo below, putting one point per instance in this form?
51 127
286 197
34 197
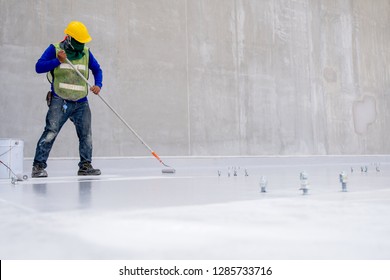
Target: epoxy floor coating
133 211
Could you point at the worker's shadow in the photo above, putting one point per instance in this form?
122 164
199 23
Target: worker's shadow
40 189
85 193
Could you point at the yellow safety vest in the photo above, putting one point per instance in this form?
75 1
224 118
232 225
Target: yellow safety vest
67 83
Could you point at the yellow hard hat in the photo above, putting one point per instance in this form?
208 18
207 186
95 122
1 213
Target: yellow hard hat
78 31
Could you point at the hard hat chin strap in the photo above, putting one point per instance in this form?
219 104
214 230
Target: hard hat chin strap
69 41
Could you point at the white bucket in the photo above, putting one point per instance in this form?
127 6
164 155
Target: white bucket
11 154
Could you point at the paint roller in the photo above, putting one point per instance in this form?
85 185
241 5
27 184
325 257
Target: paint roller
15 177
165 170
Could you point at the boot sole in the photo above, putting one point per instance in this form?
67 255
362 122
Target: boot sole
88 174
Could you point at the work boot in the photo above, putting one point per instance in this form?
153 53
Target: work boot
87 169
38 172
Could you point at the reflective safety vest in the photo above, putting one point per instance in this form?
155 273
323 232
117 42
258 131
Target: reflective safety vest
67 83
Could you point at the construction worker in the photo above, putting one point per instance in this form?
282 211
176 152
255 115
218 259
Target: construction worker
68 96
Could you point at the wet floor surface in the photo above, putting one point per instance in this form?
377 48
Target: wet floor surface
203 211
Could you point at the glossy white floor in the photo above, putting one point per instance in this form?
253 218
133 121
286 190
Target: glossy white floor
133 211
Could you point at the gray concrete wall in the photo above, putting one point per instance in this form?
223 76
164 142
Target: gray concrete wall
210 77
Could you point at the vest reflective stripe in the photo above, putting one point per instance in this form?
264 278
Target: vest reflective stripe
71 87
67 66
67 83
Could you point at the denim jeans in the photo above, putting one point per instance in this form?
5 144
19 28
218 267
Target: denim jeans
80 115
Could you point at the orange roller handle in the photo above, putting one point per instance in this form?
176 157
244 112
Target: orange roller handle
156 156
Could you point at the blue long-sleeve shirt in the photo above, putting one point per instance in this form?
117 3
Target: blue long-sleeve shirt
48 61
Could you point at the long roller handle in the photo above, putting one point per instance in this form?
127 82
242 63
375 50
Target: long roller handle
117 114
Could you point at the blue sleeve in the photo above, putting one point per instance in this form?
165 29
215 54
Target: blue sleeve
48 61
96 70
